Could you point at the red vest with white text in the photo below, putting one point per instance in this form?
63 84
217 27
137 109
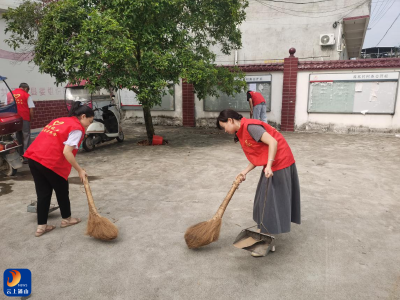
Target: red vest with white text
257 98
257 152
47 149
21 98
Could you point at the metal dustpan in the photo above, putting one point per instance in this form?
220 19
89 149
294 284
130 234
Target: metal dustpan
33 207
253 241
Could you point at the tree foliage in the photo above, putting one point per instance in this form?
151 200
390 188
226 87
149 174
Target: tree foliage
141 45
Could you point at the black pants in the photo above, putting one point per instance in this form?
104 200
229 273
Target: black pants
45 182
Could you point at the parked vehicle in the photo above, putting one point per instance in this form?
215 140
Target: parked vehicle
107 120
10 123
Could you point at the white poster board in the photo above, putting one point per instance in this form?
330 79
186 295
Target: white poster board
373 93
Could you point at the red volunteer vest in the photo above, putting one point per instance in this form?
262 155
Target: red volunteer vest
257 98
48 147
257 152
21 98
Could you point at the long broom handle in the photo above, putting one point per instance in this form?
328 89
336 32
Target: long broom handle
89 196
224 204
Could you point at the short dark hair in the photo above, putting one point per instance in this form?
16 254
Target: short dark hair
24 85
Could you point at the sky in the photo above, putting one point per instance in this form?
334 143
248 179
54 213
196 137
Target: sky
383 13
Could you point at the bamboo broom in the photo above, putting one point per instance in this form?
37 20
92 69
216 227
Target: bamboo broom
98 226
205 233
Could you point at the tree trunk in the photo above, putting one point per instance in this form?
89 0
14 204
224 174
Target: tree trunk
149 124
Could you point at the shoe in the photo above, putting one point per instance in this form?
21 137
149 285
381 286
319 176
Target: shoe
41 231
69 222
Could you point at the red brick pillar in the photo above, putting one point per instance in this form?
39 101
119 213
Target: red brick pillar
188 104
290 67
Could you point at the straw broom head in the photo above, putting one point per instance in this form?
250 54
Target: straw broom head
98 226
101 228
203 233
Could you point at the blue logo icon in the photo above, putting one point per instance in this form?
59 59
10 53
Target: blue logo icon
17 282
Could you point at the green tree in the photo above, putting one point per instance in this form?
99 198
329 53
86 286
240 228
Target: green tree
141 45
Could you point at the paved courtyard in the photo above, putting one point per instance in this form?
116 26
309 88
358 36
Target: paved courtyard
347 247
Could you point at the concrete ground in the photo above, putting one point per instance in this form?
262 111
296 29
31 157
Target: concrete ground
347 247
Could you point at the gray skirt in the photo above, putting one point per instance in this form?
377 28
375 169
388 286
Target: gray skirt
277 201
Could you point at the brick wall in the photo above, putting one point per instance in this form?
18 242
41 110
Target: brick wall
188 104
45 111
290 67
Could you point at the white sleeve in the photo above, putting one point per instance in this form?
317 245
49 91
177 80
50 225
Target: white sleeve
30 102
73 138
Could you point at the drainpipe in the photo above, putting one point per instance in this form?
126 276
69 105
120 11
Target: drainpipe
236 57
339 46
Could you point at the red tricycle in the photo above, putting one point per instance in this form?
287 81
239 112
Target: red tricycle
10 123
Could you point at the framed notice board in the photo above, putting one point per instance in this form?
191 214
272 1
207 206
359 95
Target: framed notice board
353 93
238 102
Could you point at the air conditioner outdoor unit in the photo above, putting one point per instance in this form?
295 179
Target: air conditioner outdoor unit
327 39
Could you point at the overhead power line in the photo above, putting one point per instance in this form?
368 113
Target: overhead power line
355 8
316 12
375 7
388 30
298 2
283 10
377 21
380 10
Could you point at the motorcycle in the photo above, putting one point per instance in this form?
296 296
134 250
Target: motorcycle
10 123
106 125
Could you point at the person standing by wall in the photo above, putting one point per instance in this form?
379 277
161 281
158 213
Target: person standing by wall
258 106
25 108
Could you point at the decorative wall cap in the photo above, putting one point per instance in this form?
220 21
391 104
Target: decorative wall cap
350 64
259 67
325 65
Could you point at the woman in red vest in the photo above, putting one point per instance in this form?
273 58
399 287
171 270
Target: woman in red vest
50 159
277 199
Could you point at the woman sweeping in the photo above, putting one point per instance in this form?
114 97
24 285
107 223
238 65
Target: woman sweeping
277 199
50 158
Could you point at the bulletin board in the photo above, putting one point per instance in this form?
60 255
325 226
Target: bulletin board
129 101
238 102
352 93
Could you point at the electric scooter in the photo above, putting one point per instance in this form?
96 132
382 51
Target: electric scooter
107 120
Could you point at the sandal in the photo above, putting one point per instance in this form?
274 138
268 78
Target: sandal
41 231
69 222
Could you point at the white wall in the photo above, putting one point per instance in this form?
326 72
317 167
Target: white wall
303 119
161 117
206 118
5 4
340 122
42 85
268 34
